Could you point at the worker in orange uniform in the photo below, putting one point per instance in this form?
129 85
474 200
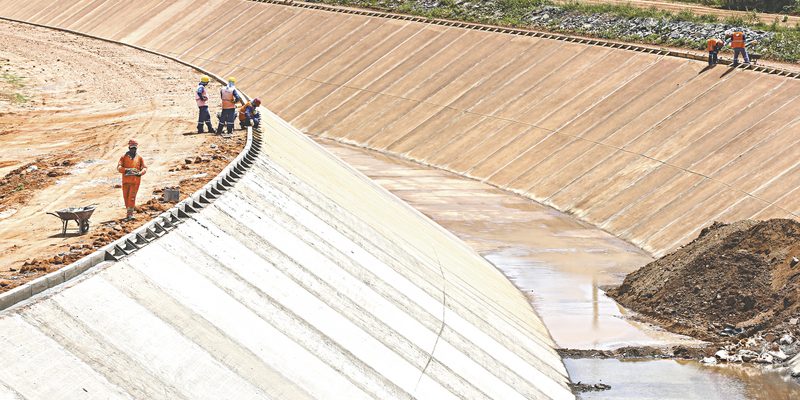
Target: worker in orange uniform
230 97
738 46
713 47
132 167
249 115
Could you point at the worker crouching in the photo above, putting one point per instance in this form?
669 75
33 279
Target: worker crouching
713 47
229 97
132 167
249 115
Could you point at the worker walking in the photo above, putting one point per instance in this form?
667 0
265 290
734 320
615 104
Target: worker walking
249 115
201 97
738 46
132 167
713 46
229 97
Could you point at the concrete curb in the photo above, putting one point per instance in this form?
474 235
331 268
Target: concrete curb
529 32
155 228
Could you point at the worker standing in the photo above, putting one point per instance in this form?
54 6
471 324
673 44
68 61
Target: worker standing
249 115
713 46
201 97
132 167
738 46
229 97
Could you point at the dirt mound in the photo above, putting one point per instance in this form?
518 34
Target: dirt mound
732 281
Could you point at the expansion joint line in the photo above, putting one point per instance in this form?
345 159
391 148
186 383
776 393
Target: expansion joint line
441 327
527 32
512 120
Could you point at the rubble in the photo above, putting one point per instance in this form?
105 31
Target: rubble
611 26
732 286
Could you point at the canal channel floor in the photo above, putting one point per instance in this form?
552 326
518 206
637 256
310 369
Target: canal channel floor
561 264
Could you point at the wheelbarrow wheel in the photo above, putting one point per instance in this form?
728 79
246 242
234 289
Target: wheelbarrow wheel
84 226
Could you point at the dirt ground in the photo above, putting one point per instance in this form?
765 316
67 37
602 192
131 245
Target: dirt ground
733 282
68 106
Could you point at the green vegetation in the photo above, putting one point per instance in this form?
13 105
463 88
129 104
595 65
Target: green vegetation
784 46
627 11
14 82
770 6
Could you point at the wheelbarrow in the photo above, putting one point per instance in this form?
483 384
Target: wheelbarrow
80 215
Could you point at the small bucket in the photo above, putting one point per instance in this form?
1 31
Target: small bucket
172 194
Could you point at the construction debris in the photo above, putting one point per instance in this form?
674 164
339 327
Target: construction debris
734 286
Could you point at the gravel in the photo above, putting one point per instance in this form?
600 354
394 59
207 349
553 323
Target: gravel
611 26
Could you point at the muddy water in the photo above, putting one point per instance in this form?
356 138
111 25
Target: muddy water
562 264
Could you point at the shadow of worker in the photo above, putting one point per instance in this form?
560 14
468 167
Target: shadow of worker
730 69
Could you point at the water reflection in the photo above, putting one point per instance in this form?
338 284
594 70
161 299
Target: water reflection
562 265
669 379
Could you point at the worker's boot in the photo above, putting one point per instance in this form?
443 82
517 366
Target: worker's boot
199 128
129 215
210 127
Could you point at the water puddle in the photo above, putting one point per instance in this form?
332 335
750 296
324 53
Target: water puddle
670 379
568 298
562 264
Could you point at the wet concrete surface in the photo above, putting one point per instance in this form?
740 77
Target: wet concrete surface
562 264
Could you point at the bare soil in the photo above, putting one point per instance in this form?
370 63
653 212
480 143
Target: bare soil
733 281
68 106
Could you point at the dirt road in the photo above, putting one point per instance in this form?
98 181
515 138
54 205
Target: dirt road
68 106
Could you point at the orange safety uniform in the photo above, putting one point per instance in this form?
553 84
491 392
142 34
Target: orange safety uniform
713 43
243 110
228 98
737 40
130 183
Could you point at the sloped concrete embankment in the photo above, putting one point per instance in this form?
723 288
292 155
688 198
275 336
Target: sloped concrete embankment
646 146
305 280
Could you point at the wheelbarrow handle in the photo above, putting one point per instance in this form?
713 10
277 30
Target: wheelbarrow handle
54 214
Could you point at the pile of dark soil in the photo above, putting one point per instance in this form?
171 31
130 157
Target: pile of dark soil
734 280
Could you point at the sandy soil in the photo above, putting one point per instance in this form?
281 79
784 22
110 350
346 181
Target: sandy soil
68 106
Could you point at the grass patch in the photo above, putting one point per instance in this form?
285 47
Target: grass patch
784 46
18 98
16 81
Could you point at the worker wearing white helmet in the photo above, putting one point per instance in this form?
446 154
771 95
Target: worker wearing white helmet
229 97
201 97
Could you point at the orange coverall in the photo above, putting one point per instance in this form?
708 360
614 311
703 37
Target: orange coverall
130 183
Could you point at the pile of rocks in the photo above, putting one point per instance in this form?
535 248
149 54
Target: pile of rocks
762 349
612 26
